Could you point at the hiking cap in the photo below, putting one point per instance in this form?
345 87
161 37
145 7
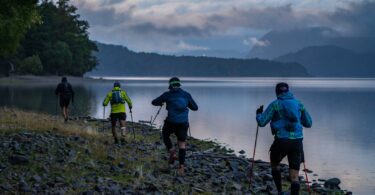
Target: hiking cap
116 84
281 88
174 82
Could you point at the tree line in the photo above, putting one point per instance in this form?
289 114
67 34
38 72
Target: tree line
44 38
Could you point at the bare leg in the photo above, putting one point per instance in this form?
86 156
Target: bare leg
65 113
114 133
123 127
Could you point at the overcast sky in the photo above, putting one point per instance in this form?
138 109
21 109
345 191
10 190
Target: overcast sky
168 26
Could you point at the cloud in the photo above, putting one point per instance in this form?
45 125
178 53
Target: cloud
253 41
141 23
185 46
356 19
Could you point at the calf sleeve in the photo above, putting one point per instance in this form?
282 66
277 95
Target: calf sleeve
276 174
294 189
181 155
167 140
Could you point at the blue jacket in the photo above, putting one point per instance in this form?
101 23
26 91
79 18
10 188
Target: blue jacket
178 101
287 116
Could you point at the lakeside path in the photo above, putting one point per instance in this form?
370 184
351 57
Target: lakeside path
41 154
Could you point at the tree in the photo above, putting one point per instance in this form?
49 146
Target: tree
16 17
31 65
61 40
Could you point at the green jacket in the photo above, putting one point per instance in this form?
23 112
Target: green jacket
120 107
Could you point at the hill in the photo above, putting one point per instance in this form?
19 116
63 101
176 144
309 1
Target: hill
120 61
333 61
278 43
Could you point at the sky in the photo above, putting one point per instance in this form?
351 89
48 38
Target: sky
173 26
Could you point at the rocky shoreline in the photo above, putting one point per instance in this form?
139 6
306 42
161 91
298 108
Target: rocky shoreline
56 162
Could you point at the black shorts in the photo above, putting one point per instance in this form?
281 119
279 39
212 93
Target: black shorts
179 129
118 116
64 101
293 148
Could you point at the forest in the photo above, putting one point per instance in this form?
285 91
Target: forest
44 38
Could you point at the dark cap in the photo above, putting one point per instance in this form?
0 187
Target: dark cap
64 79
116 84
174 82
281 88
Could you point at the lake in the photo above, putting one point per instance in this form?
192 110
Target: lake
340 143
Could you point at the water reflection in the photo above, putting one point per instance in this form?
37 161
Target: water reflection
340 144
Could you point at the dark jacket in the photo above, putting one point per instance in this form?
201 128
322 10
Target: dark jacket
65 90
178 101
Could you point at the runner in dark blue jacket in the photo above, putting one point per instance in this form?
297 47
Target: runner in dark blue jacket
178 104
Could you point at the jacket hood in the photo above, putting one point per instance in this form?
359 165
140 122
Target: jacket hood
285 96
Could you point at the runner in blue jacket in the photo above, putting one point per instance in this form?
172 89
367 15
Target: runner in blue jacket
288 116
178 104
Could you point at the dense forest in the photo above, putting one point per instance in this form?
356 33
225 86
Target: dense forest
120 61
44 38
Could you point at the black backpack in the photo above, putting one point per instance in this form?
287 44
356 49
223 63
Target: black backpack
65 90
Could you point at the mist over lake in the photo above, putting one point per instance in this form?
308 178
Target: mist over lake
340 143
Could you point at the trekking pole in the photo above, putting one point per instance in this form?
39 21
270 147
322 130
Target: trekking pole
57 102
305 170
103 117
189 132
131 116
156 115
252 164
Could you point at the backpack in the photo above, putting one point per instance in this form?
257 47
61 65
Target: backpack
288 115
65 90
116 97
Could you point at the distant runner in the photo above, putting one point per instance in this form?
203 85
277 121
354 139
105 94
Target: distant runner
65 93
287 116
178 104
118 97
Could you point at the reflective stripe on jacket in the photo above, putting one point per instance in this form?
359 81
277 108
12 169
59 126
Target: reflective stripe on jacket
279 112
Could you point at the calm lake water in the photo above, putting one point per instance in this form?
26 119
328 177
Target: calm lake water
340 143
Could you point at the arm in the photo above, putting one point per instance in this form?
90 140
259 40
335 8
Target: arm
192 105
127 99
107 99
264 118
306 120
159 100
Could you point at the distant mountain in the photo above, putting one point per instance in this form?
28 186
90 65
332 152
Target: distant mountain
333 61
283 42
120 61
214 53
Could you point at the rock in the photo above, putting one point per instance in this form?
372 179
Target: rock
23 186
5 187
111 156
18 160
242 152
121 164
237 186
59 179
37 178
332 183
307 170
